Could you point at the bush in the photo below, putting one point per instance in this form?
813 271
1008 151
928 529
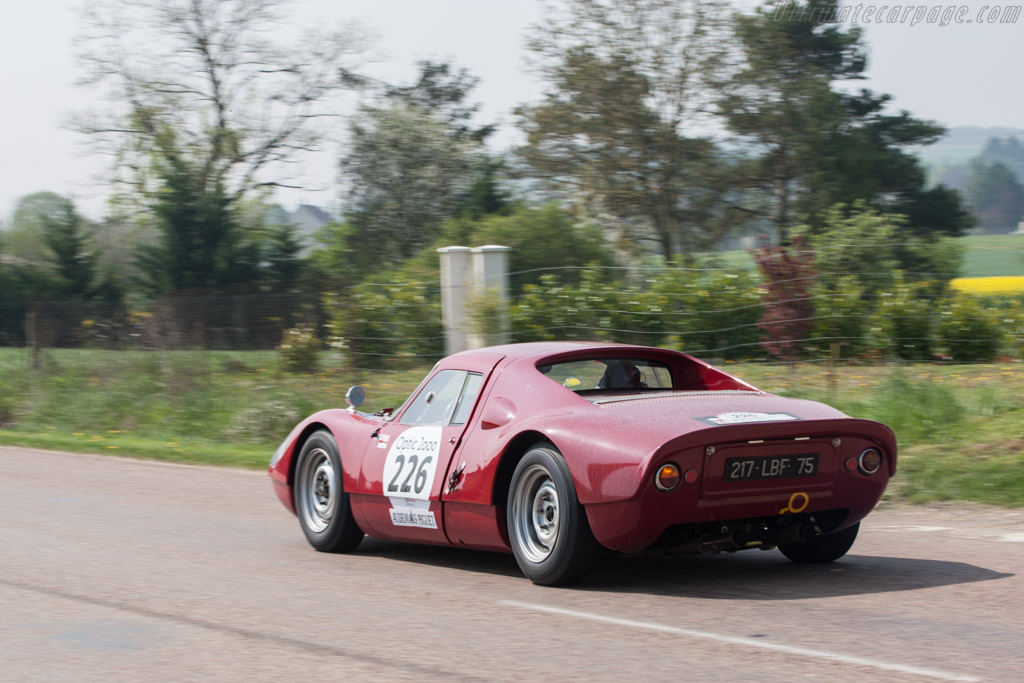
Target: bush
300 350
841 316
1013 321
971 330
788 314
711 313
901 326
393 326
706 312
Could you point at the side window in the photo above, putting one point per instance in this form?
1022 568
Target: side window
447 398
468 398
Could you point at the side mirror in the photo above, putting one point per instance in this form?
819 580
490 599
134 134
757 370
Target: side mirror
498 412
355 397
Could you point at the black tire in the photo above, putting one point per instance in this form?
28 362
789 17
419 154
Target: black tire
821 549
547 527
320 499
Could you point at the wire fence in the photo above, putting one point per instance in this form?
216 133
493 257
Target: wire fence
713 313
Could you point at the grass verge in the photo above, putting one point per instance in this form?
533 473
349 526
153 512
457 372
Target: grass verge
960 427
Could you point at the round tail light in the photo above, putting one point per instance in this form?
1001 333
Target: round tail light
667 477
869 462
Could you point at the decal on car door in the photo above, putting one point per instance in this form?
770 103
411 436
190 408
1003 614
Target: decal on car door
409 471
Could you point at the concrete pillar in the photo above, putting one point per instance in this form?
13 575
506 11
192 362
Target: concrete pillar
468 276
456 289
491 284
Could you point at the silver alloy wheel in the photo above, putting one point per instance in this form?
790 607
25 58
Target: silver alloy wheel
535 514
318 491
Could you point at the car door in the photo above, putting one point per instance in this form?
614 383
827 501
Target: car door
407 462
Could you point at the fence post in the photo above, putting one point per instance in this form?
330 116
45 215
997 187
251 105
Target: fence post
491 283
32 335
455 290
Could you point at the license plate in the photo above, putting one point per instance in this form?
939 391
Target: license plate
771 467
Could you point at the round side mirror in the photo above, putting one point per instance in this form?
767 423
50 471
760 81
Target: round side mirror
355 396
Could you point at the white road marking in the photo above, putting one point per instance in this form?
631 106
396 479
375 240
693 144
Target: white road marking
745 642
911 529
1012 538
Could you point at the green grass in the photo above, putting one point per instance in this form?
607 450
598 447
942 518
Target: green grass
217 408
990 255
985 256
960 427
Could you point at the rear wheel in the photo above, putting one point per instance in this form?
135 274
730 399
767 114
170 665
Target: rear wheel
821 548
320 498
547 526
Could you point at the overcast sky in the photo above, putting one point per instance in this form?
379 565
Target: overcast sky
958 74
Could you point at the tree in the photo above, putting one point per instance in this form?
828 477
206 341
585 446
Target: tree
207 110
995 196
73 260
441 90
25 235
542 239
627 87
238 104
405 176
411 161
47 232
1008 151
813 146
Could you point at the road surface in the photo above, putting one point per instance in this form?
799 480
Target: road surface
118 569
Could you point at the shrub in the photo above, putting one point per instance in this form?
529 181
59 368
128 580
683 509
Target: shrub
788 314
269 419
901 326
707 312
970 329
300 350
394 326
841 315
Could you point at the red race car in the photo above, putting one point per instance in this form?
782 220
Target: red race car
552 450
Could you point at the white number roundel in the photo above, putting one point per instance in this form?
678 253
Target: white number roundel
411 463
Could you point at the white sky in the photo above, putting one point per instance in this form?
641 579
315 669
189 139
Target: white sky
959 74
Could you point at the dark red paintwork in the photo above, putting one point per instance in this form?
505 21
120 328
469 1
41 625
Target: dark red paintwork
612 449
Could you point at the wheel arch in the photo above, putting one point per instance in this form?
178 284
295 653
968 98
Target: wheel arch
300 441
510 457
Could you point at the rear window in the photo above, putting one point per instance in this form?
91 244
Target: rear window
609 374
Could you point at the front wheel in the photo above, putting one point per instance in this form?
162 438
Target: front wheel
547 526
320 498
821 549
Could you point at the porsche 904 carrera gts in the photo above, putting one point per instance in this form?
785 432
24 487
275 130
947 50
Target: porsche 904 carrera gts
553 450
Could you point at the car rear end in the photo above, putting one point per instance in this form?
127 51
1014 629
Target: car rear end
740 486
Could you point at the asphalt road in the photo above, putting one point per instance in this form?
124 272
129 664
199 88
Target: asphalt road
114 569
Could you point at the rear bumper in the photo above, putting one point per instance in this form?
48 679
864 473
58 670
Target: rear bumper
838 493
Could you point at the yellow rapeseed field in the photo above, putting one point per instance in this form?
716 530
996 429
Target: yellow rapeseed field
1008 284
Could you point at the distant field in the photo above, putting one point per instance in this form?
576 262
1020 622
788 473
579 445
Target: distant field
987 256
990 255
960 427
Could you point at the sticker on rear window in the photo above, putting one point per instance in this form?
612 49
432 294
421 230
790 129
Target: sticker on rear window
742 418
